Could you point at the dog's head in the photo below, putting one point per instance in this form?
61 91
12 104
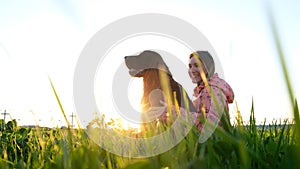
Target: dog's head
146 60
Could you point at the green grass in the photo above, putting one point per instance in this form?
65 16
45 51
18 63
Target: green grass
269 146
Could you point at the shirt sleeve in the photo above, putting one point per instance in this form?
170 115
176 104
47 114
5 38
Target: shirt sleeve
212 109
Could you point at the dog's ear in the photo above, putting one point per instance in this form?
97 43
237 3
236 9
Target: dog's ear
140 73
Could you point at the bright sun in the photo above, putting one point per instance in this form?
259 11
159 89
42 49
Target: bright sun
135 93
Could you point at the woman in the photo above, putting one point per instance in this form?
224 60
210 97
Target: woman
212 93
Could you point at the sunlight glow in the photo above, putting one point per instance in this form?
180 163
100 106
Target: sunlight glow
33 40
135 93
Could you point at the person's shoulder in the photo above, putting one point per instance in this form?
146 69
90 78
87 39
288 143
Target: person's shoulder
211 89
218 81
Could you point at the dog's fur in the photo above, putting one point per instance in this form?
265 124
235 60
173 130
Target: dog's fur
150 66
152 79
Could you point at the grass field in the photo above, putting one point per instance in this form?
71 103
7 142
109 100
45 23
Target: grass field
235 146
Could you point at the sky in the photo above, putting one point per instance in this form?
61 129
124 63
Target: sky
41 39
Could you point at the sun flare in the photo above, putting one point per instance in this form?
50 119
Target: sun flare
135 93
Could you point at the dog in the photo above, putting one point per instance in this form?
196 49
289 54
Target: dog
159 87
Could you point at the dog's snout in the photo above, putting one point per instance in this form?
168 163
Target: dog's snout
125 57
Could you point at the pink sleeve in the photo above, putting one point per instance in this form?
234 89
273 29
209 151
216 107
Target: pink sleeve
213 110
227 91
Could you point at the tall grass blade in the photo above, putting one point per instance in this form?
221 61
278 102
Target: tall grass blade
293 101
297 121
78 123
280 138
59 103
262 134
280 54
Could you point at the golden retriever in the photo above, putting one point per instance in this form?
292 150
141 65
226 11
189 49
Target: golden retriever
159 87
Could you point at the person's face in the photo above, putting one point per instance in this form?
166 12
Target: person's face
194 70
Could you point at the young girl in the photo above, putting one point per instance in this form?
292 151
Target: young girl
212 93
